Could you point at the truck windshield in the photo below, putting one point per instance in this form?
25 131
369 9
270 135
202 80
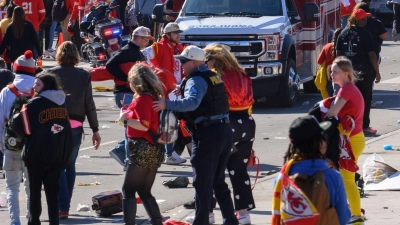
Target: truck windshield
250 8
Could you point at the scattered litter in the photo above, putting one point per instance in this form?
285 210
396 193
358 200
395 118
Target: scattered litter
266 138
112 106
138 200
280 138
178 182
385 207
110 99
394 59
103 89
306 103
82 208
3 202
84 156
385 57
118 220
3 193
379 102
105 127
267 173
160 201
113 121
88 184
387 147
184 166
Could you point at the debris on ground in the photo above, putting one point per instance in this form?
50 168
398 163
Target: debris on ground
82 208
88 184
84 156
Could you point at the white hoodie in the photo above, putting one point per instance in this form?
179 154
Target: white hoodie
23 83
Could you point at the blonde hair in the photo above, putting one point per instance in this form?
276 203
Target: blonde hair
143 79
67 53
345 64
224 59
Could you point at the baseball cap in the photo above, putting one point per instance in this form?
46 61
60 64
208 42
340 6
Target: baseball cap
192 52
360 14
306 127
143 32
172 28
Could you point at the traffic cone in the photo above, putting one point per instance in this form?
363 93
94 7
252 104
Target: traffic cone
60 38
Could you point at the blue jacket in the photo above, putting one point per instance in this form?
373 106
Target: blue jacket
195 89
333 181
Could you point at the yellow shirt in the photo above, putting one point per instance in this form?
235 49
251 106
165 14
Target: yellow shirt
4 24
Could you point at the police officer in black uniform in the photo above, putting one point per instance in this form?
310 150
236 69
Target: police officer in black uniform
204 105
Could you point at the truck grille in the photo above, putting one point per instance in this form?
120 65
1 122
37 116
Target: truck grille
245 48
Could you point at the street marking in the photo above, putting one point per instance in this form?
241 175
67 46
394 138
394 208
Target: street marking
107 143
382 136
391 81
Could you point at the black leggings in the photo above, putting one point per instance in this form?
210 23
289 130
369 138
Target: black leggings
138 180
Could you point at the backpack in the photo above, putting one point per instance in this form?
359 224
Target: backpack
168 128
130 16
13 141
306 199
60 11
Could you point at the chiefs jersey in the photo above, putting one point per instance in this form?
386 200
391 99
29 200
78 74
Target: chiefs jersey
87 4
34 11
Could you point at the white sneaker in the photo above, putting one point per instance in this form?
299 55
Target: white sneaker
211 218
51 52
356 220
174 159
394 34
243 219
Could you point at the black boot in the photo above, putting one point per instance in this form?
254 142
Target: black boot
129 208
153 210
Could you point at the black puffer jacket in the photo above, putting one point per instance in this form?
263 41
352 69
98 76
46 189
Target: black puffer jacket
76 83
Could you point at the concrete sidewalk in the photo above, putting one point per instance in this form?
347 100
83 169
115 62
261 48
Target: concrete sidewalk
381 207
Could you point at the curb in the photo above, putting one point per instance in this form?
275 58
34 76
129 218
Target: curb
372 140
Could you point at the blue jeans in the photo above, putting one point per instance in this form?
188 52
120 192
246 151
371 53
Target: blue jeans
169 149
52 30
122 145
67 176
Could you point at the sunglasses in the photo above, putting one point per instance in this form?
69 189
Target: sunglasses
183 61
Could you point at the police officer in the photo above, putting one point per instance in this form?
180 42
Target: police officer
204 105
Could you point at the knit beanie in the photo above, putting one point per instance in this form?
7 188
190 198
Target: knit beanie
25 64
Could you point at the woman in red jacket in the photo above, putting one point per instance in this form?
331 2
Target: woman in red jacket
240 97
144 156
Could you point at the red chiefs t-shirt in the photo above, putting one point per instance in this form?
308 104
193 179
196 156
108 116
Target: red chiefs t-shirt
354 98
141 109
34 11
326 55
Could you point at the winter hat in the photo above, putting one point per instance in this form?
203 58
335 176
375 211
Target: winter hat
25 64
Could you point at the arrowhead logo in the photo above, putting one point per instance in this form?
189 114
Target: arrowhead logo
56 128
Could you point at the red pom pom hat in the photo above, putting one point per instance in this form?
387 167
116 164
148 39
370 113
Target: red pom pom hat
25 64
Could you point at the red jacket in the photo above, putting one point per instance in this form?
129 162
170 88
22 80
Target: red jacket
239 90
163 55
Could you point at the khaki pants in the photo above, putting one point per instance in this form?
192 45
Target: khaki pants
64 25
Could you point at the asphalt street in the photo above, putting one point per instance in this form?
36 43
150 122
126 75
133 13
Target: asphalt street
270 144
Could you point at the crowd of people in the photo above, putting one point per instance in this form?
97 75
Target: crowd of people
212 97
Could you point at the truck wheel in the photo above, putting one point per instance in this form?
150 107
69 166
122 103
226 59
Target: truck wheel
309 87
289 86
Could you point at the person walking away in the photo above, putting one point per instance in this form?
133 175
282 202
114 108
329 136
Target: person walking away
76 82
145 156
129 53
48 27
356 43
161 55
48 146
305 158
349 96
64 24
4 4
3 26
327 55
34 11
143 11
220 59
394 5
20 36
205 108
14 167
346 8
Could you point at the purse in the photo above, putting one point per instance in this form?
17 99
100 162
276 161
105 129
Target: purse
107 203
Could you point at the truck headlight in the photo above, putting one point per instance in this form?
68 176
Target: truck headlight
272 47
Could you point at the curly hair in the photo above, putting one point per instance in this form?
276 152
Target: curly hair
144 80
67 53
224 59
307 149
